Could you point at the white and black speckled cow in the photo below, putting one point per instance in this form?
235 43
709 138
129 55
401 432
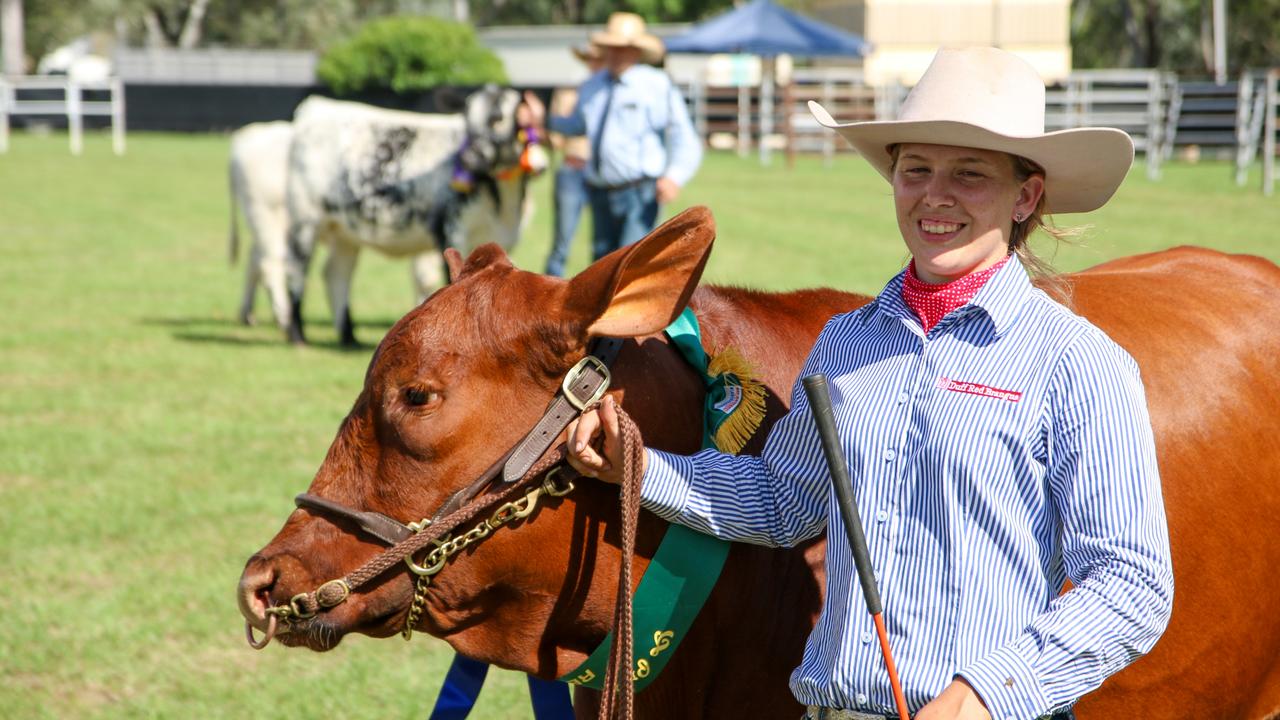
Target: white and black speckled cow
258 169
405 184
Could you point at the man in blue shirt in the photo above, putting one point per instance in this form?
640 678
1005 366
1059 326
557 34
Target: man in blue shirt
643 145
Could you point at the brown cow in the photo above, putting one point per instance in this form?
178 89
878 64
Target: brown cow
485 355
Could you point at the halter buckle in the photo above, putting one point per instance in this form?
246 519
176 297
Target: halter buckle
330 598
575 373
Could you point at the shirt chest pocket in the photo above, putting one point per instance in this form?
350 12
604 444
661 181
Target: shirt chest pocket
632 118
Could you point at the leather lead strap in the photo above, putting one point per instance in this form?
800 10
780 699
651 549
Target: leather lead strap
376 524
561 412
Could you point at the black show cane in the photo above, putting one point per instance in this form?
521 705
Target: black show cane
815 386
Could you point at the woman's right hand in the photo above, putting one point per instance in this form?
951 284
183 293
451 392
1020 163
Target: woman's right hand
582 454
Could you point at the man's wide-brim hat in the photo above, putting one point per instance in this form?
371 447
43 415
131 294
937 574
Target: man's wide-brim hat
587 53
994 100
628 30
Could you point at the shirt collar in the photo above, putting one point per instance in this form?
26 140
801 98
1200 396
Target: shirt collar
627 77
1000 298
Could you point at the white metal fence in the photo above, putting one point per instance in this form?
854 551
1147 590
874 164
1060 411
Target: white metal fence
1256 113
1136 101
215 66
768 117
53 95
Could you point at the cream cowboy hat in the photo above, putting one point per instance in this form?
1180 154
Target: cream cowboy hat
991 99
586 53
628 30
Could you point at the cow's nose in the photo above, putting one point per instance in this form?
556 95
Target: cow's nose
254 591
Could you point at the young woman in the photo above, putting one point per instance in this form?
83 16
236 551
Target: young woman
999 444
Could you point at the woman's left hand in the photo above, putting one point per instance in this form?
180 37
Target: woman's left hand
605 465
957 702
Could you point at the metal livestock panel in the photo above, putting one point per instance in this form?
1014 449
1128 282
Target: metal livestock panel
59 95
1135 101
215 66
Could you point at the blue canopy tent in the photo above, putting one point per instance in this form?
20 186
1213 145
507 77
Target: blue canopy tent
764 28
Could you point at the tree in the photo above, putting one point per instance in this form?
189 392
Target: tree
577 12
1253 34
12 41
1173 34
407 54
176 23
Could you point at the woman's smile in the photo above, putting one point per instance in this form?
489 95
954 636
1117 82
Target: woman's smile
933 230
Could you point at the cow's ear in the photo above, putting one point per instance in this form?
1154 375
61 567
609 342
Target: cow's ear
642 288
453 263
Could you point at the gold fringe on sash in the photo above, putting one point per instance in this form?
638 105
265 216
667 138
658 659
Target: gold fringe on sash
744 420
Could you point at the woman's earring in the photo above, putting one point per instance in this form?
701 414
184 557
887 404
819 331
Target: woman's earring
1017 217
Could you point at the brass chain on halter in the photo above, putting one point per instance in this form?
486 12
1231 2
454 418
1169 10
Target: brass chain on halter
448 546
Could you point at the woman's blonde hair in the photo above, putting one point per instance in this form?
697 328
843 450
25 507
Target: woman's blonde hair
1019 237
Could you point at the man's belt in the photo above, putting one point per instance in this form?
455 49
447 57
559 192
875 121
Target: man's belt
621 186
815 712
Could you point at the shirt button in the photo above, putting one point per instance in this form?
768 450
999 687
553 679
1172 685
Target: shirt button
882 516
889 454
866 637
902 397
861 698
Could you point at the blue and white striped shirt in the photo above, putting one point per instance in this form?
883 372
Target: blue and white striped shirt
993 458
648 133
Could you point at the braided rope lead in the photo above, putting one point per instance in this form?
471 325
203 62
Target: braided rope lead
618 696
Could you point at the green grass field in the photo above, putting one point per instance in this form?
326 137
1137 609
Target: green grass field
148 444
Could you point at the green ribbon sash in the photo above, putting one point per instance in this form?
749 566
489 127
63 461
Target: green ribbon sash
687 563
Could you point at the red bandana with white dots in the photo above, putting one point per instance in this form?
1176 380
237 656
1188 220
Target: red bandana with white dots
931 303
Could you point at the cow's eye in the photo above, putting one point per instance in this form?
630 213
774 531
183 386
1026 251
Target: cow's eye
417 397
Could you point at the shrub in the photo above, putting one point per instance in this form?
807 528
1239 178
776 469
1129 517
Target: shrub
407 54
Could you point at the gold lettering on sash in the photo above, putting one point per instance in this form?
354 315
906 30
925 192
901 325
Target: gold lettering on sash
642 669
661 641
586 677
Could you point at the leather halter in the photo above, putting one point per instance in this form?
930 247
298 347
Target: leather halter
582 387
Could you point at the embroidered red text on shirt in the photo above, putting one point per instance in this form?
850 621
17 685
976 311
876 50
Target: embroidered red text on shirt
978 389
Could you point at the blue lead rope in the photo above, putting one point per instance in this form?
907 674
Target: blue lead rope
465 678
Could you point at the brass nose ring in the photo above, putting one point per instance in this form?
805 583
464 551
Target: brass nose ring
272 623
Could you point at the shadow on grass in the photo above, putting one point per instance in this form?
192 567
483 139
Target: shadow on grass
241 341
230 332
189 321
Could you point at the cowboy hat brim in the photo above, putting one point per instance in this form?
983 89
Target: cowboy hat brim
1083 167
650 45
588 54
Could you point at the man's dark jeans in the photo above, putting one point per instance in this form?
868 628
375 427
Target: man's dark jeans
571 198
622 216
